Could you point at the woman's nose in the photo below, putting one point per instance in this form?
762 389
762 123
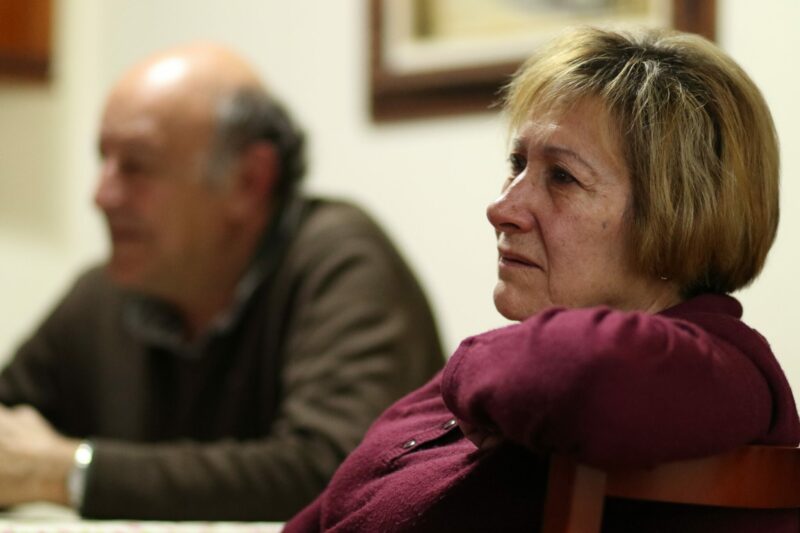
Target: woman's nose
512 210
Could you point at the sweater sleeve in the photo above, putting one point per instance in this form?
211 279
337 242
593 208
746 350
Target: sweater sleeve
309 520
33 375
612 388
358 335
27 378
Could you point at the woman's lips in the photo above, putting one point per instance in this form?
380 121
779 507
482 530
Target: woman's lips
511 259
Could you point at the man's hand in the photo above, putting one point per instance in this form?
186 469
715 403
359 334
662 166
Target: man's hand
34 459
481 438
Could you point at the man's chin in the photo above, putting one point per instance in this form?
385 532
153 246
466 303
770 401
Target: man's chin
138 280
125 274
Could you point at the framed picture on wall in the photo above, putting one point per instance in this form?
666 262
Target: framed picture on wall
25 35
433 57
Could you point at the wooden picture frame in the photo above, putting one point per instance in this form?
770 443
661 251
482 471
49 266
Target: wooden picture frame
25 39
398 93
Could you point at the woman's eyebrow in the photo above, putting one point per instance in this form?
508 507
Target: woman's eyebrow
567 153
518 145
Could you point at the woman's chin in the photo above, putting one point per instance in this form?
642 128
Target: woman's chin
515 306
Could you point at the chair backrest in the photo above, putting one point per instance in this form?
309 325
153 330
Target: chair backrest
752 477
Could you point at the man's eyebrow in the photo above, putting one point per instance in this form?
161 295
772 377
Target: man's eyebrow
130 142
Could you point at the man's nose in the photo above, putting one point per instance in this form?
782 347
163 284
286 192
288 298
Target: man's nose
110 191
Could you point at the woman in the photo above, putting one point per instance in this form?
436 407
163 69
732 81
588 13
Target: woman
643 187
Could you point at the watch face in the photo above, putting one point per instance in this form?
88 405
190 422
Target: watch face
76 480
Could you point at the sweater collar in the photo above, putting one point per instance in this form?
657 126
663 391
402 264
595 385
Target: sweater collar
707 303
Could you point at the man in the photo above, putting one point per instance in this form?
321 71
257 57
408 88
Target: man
241 337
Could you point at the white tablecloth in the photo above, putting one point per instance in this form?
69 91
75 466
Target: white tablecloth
45 518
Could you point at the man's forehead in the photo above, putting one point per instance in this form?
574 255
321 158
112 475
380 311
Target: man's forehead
160 115
141 130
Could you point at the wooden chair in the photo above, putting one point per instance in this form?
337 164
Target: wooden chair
753 477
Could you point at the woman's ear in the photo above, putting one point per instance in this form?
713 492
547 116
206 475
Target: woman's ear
255 181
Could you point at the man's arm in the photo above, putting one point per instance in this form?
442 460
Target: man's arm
37 459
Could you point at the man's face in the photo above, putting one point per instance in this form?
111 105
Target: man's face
165 222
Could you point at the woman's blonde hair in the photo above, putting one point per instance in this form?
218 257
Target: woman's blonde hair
697 137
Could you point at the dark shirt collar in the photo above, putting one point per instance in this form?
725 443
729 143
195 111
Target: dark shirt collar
158 324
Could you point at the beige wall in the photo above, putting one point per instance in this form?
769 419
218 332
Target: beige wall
428 181
46 231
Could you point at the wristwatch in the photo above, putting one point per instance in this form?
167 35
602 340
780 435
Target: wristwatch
76 480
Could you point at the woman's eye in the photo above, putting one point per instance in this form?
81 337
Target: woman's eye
517 164
561 176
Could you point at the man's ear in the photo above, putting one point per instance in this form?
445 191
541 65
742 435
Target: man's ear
255 182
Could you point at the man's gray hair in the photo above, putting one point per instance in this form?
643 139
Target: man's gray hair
250 115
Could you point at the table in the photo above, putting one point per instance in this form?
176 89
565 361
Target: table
46 518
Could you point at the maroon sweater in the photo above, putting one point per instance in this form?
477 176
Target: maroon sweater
612 388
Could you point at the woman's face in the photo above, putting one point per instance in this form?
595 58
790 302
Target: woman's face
560 220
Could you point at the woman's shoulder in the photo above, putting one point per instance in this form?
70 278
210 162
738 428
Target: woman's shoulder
721 316
698 322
